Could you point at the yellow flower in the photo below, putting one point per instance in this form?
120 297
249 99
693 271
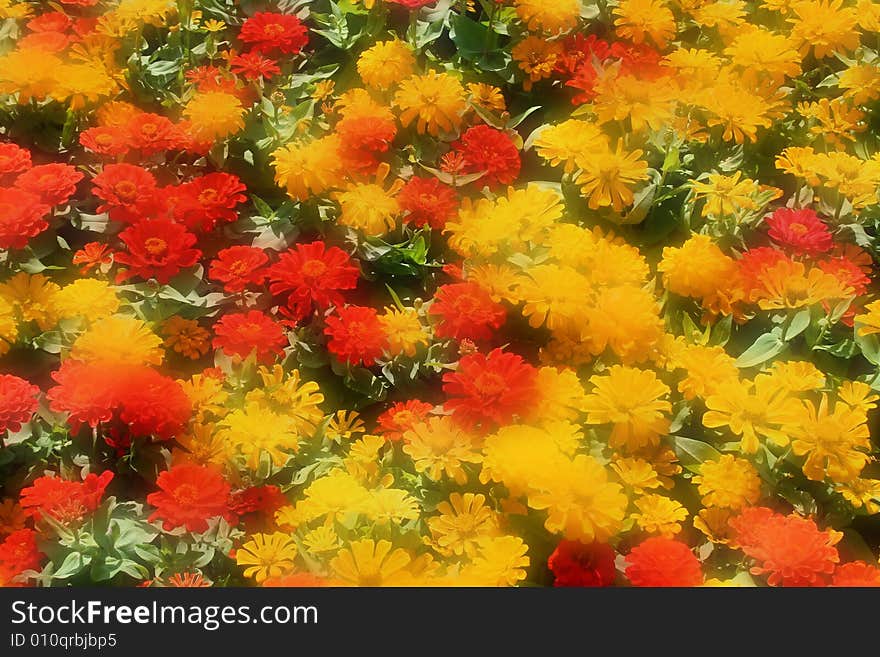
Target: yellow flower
561 395
255 429
637 474
307 169
825 26
88 298
32 298
725 195
404 331
119 339
563 143
659 514
787 284
391 505
439 447
334 496
369 207
624 319
854 178
29 73
607 176
212 25
713 523
267 555
536 57
796 375
9 9
186 337
207 396
638 19
728 482
500 281
860 82
386 63
861 493
321 539
8 326
323 89
344 426
370 563
81 84
363 457
761 52
647 104
868 323
461 522
739 111
698 268
858 396
554 296
486 96
203 446
835 121
633 401
436 101
501 561
707 369
288 394
551 17
722 15
214 115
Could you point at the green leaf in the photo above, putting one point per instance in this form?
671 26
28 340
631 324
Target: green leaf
763 349
798 324
869 345
72 564
693 452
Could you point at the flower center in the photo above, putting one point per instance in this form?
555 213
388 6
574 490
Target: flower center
186 493
798 229
239 267
126 190
155 245
208 196
149 129
314 268
273 30
490 383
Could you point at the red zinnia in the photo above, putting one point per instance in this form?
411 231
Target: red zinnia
153 133
22 216
152 404
129 192
253 66
13 159
466 310
93 254
800 230
662 561
755 262
491 388
18 553
18 402
401 417
239 266
427 201
156 249
856 573
105 140
53 21
208 200
267 32
355 335
238 334
313 275
486 149
189 495
53 183
362 139
577 564
64 501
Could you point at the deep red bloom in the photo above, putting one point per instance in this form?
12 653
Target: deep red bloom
401 417
18 553
662 561
578 564
188 496
257 499
313 275
18 402
466 310
239 266
253 66
208 200
53 183
62 500
52 21
355 335
486 149
129 193
93 254
856 573
156 249
269 32
153 133
493 388
13 159
800 230
238 334
363 139
22 216
427 201
105 140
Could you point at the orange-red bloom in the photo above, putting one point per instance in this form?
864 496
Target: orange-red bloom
156 249
22 216
129 193
13 159
208 200
92 255
466 310
268 32
400 418
355 335
801 231
64 501
662 561
105 140
577 564
238 334
53 183
239 266
363 139
18 553
153 133
856 573
490 150
253 66
189 495
18 402
427 202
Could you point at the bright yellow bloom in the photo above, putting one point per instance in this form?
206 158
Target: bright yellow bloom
536 57
119 339
500 281
659 514
646 104
636 474
344 426
461 522
854 178
550 17
554 296
725 195
307 169
333 497
88 298
501 561
563 143
796 375
29 73
207 396
835 121
738 110
868 322
267 555
861 493
386 63
32 298
788 284
697 269
825 26
436 101
186 337
626 320
722 15
404 330
10 9
858 396
8 326
369 207
763 53
372 563
322 539
363 457
728 483
638 20
391 505
288 394
608 176
439 447
255 429
203 445
561 395
486 96
214 115
861 83
707 369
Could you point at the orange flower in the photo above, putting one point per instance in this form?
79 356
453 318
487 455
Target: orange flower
65 501
18 401
188 496
662 561
355 335
466 310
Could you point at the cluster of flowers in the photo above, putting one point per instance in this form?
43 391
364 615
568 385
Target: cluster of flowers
414 293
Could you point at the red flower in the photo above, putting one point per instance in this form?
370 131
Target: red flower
156 249
188 496
105 140
755 262
362 139
238 334
64 501
800 230
253 66
18 402
83 392
239 266
129 193
355 335
486 149
413 4
53 21
791 550
208 200
18 553
662 561
187 581
849 272
267 32
856 573
401 417
466 311
427 201
22 216
580 49
152 404
313 275
257 499
152 133
93 254
53 183
13 159
577 564
495 388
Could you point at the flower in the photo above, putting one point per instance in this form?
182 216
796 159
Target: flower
824 26
461 522
22 216
369 207
253 66
485 149
32 297
118 339
186 337
64 501
435 101
698 268
208 200
427 202
660 561
728 482
256 429
151 133
856 573
563 143
466 310
355 335
157 249
86 297
578 564
304 169
439 447
638 19
404 331
486 96
607 176
239 267
401 417
267 555
129 193
105 140
240 334
268 32
800 230
385 63
550 17
659 514
18 402
537 58
501 561
13 158
18 553
214 115
491 388
54 183
372 563
188 496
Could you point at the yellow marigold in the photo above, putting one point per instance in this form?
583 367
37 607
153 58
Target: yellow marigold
267 555
391 506
500 561
404 331
638 20
363 457
88 298
436 101
31 74
713 522
460 523
725 195
369 207
636 474
536 57
334 496
214 115
439 447
824 26
186 337
721 15
306 169
569 244
372 563
738 111
83 84
614 263
16 10
554 296
288 394
487 96
763 53
254 430
633 401
358 104
835 121
115 114
697 268
500 281
860 82
207 396
32 298
344 426
201 445
8 326
386 63
119 339
608 176
788 284
728 482
796 375
707 368
798 161
644 104
624 319
550 17
560 395
563 143
659 514
321 539
861 493
695 68
858 396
